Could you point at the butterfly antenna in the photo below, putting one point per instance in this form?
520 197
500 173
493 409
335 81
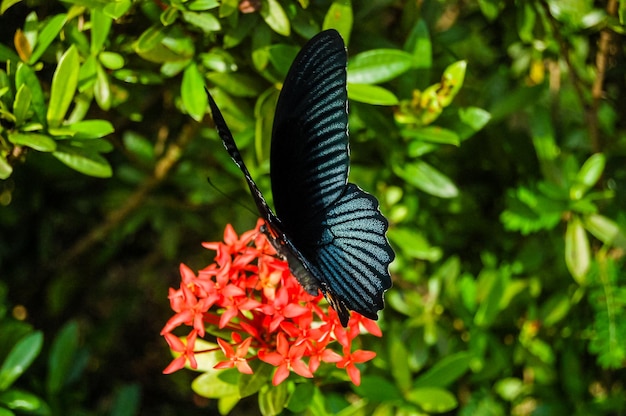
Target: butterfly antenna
231 198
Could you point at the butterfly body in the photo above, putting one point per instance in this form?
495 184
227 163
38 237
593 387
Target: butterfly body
330 231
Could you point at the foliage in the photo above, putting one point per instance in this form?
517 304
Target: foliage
491 131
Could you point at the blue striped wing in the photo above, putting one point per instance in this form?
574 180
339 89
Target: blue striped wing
309 158
352 256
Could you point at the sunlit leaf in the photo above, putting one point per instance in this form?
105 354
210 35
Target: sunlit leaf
378 66
64 82
577 251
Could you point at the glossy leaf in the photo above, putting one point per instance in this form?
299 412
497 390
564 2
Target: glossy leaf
47 36
100 27
62 357
432 134
605 230
340 17
378 389
371 94
588 175
26 76
5 168
204 21
249 384
4 6
23 402
86 162
275 17
273 399
446 371
20 357
111 60
451 82
194 103
35 141
433 399
378 66
425 177
577 251
116 9
102 88
300 399
489 292
21 104
212 386
414 244
64 82
91 129
237 85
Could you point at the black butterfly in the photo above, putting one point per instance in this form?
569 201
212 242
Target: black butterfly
330 231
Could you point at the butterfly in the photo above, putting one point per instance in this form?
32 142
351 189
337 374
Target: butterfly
330 231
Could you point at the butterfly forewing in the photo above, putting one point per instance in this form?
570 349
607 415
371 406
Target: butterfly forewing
309 158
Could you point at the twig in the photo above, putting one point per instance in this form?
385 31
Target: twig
606 37
161 169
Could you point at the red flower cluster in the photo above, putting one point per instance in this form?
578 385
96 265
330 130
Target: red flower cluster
252 293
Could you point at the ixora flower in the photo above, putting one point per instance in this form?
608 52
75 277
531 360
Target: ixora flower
250 294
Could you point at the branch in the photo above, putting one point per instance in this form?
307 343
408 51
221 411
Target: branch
161 169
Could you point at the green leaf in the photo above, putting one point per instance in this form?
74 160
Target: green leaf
6 4
414 244
577 251
378 65
273 399
340 17
212 386
23 401
111 60
432 399
100 27
205 21
371 94
21 104
252 383
91 129
84 161
102 88
473 119
275 17
64 82
605 230
127 401
116 9
425 177
378 389
36 141
451 82
25 75
300 399
5 168
446 371
47 36
62 357
432 134
588 175
489 292
20 357
192 92
201 5
239 85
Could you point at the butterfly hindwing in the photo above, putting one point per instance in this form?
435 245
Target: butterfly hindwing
353 254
